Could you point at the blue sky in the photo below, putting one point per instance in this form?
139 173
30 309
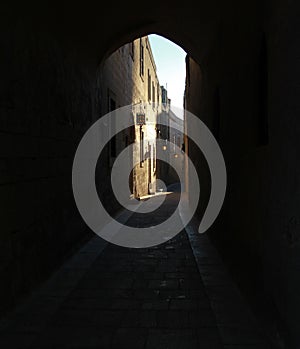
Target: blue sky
170 63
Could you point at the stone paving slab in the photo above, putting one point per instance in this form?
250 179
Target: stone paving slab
175 295
236 322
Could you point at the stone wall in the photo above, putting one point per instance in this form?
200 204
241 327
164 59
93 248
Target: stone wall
121 78
244 95
46 103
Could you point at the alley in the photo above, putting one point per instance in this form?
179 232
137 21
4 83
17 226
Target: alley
175 295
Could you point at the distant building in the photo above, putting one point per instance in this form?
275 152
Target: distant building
170 129
127 77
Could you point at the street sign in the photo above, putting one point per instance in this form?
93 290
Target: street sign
140 119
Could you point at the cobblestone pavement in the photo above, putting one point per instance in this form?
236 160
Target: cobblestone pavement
177 295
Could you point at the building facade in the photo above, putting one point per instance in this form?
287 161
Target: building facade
128 77
170 130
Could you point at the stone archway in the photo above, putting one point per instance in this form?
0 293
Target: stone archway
49 98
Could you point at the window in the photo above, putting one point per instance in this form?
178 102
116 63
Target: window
132 134
141 147
157 90
141 57
262 122
131 50
153 93
149 86
149 164
113 141
216 114
112 104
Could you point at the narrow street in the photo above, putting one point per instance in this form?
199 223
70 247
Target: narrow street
175 295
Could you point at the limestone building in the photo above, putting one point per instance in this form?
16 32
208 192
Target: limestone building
170 131
128 77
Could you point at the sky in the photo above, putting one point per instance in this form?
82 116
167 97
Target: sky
170 64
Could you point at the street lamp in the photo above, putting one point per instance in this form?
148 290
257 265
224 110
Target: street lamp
165 145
